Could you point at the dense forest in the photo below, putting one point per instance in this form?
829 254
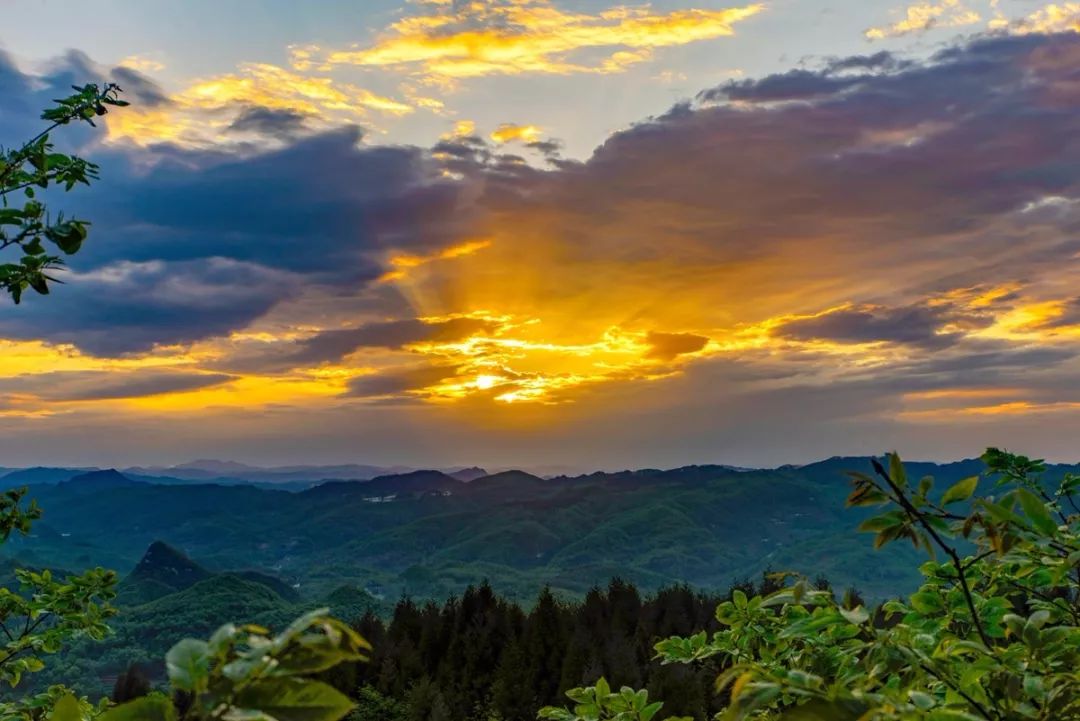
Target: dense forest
481 656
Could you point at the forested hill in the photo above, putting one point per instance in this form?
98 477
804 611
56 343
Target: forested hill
170 596
430 534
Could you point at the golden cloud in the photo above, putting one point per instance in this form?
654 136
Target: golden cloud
925 15
508 132
402 263
514 37
1054 18
142 64
207 110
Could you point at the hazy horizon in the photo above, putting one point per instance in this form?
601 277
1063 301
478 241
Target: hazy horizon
203 464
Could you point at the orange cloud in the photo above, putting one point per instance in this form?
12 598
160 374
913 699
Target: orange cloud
402 263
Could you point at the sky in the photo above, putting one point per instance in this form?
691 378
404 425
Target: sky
544 233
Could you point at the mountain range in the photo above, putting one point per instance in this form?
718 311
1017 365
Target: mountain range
226 473
429 533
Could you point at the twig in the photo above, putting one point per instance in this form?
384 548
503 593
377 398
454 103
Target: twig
952 553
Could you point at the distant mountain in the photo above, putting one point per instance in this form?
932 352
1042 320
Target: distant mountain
467 474
217 468
292 478
211 470
108 478
39 475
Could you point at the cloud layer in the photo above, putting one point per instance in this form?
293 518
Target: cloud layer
872 238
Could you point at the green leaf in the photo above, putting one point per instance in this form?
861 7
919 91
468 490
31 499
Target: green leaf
188 664
821 710
649 711
68 236
1001 514
555 714
1036 511
66 709
896 470
148 708
927 602
293 699
880 523
857 616
960 491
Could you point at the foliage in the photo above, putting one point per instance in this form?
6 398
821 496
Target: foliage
34 167
142 633
43 613
600 703
993 633
244 673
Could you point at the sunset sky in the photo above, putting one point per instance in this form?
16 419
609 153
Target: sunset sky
553 233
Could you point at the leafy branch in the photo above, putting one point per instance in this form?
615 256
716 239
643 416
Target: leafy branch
35 166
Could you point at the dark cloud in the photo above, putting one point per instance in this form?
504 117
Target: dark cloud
987 363
271 122
333 345
882 60
154 385
909 178
914 325
108 385
319 206
835 76
399 380
550 149
669 345
13 83
792 85
130 307
464 147
139 89
246 229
